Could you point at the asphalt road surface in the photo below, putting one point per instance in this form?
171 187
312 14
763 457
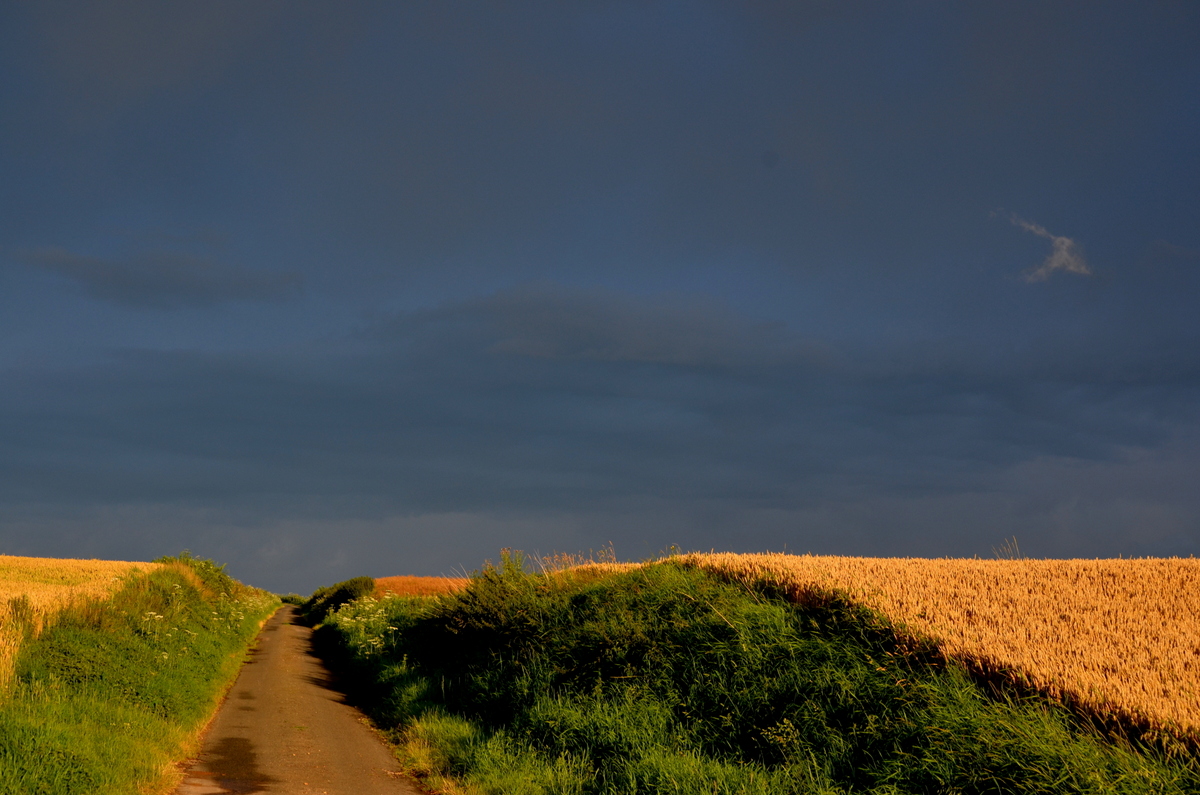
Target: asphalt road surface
284 728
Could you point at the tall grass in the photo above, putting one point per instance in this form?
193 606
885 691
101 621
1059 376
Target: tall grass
665 679
111 692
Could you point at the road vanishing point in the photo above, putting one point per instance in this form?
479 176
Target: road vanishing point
285 728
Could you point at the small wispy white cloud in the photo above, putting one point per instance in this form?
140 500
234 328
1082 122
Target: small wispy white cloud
1065 256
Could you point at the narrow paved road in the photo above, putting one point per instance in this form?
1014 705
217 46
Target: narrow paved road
284 728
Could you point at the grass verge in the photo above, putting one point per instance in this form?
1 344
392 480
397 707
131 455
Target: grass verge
668 680
110 694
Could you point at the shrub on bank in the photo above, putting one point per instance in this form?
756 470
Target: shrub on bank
326 600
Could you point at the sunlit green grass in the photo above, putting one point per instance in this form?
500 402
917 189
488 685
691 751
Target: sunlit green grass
109 695
664 680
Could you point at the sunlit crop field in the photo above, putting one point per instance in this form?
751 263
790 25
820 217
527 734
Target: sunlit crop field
33 589
417 586
1120 637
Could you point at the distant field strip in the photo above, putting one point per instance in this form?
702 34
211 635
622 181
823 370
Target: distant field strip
1121 637
33 589
418 586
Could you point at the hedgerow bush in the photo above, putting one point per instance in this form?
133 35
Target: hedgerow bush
326 600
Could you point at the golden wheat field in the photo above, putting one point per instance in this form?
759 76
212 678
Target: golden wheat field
417 586
1120 637
38 587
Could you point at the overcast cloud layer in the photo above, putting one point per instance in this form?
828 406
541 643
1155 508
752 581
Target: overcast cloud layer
324 290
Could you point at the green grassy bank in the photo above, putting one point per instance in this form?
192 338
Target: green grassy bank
665 680
110 694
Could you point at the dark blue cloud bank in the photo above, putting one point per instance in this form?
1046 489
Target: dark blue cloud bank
327 290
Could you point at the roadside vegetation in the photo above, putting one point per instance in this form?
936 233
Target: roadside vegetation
667 679
325 600
33 590
107 693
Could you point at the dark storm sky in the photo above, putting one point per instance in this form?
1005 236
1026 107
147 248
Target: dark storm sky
327 289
